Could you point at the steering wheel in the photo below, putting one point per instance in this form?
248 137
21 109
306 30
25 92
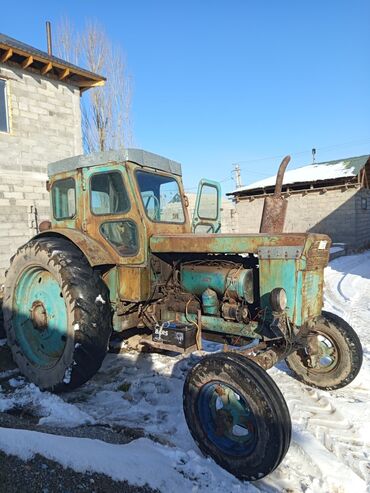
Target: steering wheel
156 207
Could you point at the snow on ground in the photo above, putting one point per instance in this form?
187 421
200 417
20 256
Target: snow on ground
330 449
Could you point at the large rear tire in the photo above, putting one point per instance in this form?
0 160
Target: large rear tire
339 356
57 314
237 415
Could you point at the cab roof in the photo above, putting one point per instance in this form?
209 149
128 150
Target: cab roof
138 156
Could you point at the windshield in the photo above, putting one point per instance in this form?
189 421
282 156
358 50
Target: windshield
161 197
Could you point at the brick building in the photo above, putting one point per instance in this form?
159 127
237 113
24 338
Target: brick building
40 122
331 198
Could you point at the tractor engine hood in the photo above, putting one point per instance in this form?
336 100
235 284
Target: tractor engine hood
285 245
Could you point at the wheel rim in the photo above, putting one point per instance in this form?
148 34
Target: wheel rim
40 317
328 353
327 356
227 419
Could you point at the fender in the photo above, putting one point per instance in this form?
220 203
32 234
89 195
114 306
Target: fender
95 253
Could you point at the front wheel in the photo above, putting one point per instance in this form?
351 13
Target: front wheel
237 415
338 359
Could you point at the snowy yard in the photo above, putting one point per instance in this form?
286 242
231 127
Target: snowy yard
330 449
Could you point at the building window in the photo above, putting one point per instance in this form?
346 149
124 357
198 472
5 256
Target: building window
4 126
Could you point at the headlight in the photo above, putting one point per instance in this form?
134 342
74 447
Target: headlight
278 299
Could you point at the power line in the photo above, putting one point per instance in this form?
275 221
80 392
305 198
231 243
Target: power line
299 153
239 168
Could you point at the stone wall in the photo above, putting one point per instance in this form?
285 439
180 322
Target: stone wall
338 212
45 126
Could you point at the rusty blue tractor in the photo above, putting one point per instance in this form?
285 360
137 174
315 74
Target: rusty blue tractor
121 253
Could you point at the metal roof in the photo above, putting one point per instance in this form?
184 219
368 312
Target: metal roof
316 172
27 56
143 158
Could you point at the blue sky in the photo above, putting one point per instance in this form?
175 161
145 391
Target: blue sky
218 82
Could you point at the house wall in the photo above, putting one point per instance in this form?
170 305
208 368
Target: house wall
45 126
336 212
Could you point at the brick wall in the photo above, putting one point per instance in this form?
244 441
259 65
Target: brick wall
45 126
336 212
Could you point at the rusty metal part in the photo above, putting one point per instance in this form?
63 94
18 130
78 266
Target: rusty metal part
94 251
267 359
39 316
149 345
44 226
228 243
313 350
275 207
133 283
265 354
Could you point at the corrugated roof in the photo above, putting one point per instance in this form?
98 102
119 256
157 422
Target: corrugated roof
331 170
14 50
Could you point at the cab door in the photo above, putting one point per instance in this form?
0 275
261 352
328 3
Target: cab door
207 212
110 213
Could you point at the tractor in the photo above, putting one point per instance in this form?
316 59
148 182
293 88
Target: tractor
120 253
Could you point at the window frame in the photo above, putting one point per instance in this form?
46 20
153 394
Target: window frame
6 105
129 220
54 203
142 202
217 203
124 187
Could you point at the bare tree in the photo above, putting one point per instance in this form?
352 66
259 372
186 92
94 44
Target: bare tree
105 110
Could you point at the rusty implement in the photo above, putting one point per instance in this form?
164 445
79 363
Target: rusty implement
275 207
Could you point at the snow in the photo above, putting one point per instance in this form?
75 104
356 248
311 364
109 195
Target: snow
139 462
51 409
330 449
100 299
312 172
336 249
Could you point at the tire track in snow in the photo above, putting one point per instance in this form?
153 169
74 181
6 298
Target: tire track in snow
314 411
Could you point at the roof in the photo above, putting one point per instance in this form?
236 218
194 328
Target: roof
138 156
27 57
313 173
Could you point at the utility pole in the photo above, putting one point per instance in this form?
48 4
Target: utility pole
237 177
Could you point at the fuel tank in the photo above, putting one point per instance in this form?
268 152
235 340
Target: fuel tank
231 282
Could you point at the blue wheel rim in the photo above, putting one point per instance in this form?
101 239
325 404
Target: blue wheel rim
227 419
40 317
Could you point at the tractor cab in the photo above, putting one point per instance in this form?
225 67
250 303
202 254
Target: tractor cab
121 198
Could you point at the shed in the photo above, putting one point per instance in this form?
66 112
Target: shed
329 197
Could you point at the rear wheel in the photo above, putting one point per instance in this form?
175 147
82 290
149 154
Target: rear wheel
338 359
237 415
56 313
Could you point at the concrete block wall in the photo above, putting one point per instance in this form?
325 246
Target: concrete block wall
45 126
333 212
363 217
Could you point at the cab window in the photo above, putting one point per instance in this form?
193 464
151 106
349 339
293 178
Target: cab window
161 197
108 194
64 199
122 235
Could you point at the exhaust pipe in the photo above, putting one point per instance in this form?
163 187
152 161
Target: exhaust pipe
275 207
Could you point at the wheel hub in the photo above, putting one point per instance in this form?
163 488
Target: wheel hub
227 418
39 316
